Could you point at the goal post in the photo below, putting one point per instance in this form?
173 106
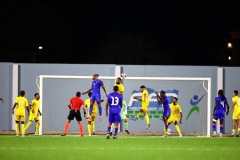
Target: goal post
194 98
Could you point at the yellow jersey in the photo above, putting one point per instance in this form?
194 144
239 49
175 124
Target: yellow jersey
236 100
35 105
22 104
95 107
120 88
175 110
145 99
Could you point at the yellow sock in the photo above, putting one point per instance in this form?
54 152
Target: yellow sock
17 128
93 126
37 127
89 129
164 129
27 126
22 127
147 119
233 131
178 130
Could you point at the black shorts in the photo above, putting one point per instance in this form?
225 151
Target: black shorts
75 114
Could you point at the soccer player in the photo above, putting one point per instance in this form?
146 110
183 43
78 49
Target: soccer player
123 115
75 105
96 96
120 85
21 103
1 100
163 99
91 123
236 113
114 100
144 107
34 113
174 117
219 112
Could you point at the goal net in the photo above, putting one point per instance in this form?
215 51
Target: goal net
193 97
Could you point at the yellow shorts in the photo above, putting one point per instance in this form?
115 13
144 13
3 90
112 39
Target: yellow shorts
173 119
20 118
144 107
94 115
33 117
236 115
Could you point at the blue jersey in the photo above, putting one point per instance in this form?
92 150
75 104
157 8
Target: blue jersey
221 104
165 103
115 101
96 85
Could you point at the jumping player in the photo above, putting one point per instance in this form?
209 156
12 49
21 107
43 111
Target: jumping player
96 96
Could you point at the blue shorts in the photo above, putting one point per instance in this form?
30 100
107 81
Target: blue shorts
167 113
114 118
219 115
96 97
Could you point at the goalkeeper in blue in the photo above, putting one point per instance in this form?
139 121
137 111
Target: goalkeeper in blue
114 102
123 115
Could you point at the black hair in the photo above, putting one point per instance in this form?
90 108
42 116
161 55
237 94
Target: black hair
163 92
236 92
115 88
175 98
220 92
119 78
78 94
89 94
36 94
96 75
142 86
22 93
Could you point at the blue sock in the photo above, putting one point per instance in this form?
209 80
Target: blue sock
166 126
109 128
221 128
90 109
100 110
116 130
214 127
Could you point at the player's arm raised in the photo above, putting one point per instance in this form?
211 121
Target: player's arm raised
89 90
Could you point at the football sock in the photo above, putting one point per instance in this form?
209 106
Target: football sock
147 119
93 126
109 128
17 128
112 127
89 129
164 129
233 131
22 127
28 125
221 128
100 110
66 127
214 126
116 130
37 127
139 114
80 128
126 125
178 130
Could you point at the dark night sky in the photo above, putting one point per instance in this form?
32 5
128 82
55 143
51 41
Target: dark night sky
117 32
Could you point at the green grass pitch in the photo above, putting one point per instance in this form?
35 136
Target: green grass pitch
123 148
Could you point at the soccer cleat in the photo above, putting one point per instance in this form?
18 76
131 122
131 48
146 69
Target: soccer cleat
110 133
108 136
220 135
237 134
136 117
114 137
180 135
93 133
127 131
148 125
17 135
82 135
63 134
214 135
233 134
